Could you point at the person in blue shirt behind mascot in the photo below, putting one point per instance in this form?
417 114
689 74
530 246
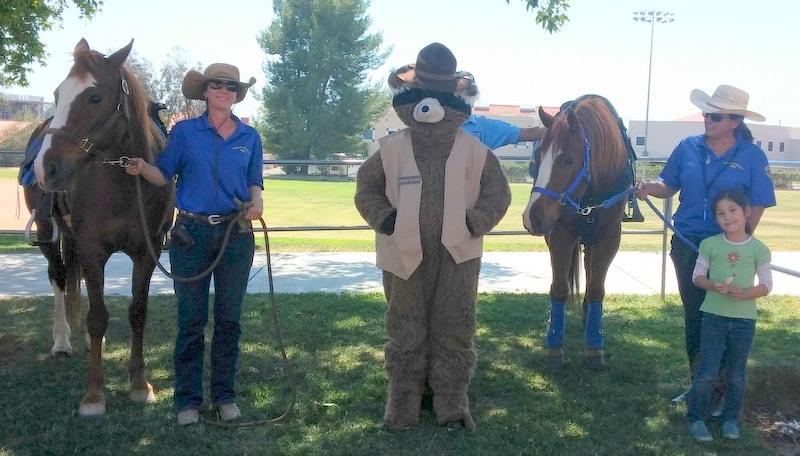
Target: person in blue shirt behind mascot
701 166
218 160
495 133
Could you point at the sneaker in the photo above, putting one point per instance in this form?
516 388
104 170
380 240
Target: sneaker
188 416
730 430
229 412
699 432
680 398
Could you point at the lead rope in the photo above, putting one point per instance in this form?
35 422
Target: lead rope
670 226
273 307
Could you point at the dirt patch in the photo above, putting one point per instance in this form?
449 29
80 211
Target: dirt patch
14 214
772 399
12 348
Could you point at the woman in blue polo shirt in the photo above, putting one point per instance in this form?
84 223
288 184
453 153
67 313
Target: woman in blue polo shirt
722 158
218 161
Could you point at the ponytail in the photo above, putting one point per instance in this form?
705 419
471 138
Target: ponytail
742 129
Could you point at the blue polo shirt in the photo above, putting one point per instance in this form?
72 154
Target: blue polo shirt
212 171
491 132
700 175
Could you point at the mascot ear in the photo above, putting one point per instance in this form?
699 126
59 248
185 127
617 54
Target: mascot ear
395 83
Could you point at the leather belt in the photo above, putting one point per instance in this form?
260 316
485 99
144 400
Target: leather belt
211 219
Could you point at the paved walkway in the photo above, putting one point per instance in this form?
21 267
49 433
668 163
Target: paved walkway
519 272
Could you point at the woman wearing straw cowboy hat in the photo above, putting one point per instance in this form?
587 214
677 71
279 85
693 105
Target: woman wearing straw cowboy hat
218 160
722 158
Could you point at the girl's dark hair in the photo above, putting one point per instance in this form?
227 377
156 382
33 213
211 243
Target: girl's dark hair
742 129
730 194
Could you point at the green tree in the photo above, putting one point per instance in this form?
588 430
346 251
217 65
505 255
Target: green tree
168 89
551 14
144 71
164 85
317 100
20 23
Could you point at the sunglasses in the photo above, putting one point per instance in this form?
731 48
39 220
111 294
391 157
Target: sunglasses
231 86
716 117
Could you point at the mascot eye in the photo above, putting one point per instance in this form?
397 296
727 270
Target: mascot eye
426 108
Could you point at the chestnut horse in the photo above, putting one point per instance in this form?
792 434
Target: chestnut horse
101 120
583 178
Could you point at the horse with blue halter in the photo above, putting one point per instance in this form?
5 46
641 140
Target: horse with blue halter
583 171
93 208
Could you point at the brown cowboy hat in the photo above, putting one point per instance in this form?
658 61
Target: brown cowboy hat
725 100
195 83
435 69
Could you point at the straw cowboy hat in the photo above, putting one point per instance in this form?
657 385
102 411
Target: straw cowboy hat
194 83
725 100
435 69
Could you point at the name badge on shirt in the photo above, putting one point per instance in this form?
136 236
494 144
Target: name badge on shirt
409 180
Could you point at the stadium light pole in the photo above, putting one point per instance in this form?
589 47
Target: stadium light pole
651 16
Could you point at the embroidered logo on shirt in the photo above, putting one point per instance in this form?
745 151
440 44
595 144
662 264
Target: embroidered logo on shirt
406 180
733 258
242 149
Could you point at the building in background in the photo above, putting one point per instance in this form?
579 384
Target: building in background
18 106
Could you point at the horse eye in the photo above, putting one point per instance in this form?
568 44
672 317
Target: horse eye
94 99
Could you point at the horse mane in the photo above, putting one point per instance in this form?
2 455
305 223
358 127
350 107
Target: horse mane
91 61
609 155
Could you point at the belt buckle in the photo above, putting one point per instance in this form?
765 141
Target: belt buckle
214 219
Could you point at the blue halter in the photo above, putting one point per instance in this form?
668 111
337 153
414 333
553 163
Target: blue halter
565 199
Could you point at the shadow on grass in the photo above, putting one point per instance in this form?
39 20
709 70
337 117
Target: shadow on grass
335 344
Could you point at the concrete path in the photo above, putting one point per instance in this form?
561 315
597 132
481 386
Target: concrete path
518 272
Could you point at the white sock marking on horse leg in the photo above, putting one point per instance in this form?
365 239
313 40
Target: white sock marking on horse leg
61 329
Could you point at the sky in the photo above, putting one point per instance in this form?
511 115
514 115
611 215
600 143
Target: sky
754 46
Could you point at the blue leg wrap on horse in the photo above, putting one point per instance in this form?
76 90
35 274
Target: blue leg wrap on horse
594 325
555 329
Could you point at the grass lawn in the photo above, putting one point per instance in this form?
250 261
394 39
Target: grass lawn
335 347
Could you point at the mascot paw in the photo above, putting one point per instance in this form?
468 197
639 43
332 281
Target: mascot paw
399 423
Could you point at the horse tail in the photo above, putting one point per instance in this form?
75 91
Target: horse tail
574 274
72 285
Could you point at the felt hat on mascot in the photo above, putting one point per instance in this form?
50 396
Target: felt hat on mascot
725 100
435 69
194 83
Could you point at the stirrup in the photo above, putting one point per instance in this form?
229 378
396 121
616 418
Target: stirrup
29 225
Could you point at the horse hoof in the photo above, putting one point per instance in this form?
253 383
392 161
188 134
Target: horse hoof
554 362
145 396
61 353
596 363
92 410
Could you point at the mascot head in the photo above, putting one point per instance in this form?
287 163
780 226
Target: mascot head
430 95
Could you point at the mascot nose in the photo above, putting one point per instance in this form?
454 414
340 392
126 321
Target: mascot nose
428 110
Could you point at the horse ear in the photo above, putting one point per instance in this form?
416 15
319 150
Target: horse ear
119 57
547 119
572 121
82 46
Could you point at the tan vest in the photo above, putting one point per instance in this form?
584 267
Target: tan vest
401 253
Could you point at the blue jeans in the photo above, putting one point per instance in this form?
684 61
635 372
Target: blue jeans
230 285
684 258
734 337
